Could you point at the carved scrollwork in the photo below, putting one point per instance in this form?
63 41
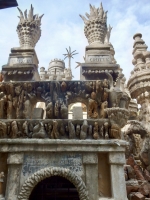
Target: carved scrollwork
33 180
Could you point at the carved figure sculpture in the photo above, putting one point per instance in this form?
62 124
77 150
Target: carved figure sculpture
115 131
27 108
77 130
19 124
106 130
14 129
106 90
99 90
25 129
62 129
54 132
49 110
3 129
92 106
84 128
3 103
39 131
103 113
64 111
56 109
102 132
63 86
95 131
1 184
9 107
115 95
71 130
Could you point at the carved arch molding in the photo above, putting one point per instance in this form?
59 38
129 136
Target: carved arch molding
40 175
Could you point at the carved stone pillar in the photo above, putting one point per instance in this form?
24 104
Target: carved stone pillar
117 160
14 161
90 161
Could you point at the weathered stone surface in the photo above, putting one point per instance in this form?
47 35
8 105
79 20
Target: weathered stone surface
104 176
138 196
15 158
90 158
38 113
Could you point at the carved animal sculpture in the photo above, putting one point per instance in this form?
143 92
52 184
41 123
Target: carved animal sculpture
103 113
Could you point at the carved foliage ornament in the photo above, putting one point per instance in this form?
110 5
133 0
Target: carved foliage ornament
33 180
96 25
28 29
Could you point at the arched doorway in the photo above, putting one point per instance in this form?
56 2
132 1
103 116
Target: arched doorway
43 174
54 188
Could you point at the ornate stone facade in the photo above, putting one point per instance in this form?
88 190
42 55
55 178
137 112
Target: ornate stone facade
90 152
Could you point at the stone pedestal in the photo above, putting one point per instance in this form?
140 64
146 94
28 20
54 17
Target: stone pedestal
99 63
22 65
14 161
117 160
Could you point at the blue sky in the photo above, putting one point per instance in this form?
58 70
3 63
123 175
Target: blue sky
62 27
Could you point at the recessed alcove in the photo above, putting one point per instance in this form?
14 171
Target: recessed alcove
77 110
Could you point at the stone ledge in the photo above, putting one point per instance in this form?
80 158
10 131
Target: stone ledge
111 142
44 145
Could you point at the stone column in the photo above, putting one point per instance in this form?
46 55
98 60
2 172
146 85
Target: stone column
118 186
90 160
1 185
14 162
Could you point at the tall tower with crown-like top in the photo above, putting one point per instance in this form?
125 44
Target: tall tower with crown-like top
99 54
23 62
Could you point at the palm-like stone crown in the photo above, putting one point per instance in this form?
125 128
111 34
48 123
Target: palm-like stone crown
95 24
28 29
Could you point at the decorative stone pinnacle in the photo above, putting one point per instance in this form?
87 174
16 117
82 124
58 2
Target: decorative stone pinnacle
28 28
96 25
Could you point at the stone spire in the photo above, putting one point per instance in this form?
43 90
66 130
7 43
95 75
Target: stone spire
139 82
28 28
95 24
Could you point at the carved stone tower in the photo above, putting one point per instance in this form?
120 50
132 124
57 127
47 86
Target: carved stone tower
23 61
99 54
138 83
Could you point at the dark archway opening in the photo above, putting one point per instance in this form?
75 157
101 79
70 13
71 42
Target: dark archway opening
54 188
